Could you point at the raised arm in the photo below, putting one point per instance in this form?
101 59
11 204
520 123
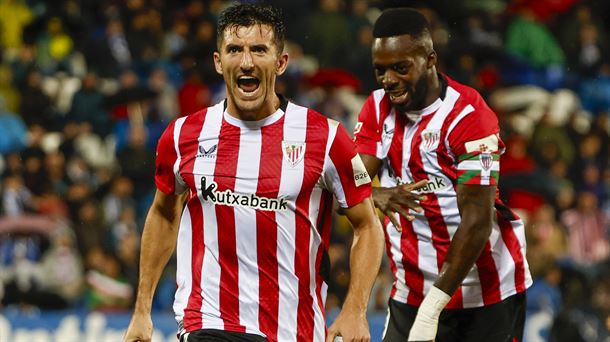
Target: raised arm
158 244
365 259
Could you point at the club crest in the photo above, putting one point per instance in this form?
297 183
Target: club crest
486 160
430 139
293 152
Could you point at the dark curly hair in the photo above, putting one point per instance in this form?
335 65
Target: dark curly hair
244 15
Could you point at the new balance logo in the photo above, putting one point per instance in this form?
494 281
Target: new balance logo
209 153
233 199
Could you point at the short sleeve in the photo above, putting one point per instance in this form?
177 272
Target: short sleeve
345 174
476 145
165 177
367 134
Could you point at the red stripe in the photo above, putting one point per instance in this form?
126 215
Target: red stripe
414 278
165 180
270 172
224 175
324 226
396 147
514 247
457 300
187 145
314 158
388 247
488 276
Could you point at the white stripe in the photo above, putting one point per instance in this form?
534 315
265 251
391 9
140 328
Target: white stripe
295 125
331 179
210 275
502 259
396 254
315 243
467 110
377 97
476 165
389 124
472 293
184 279
519 231
180 185
248 161
426 253
386 324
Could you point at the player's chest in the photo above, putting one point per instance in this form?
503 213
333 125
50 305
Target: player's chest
252 164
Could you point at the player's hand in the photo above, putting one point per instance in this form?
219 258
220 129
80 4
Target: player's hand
140 329
351 326
394 200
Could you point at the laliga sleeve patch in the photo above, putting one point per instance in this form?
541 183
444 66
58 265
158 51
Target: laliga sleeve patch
360 174
487 144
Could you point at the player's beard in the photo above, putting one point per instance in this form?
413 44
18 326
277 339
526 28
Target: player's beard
417 98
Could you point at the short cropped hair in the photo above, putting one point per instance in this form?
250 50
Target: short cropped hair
244 15
400 21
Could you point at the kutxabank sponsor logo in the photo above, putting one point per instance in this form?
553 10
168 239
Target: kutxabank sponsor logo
434 184
231 198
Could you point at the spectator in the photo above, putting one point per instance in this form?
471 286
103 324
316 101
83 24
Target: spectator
14 16
87 107
587 229
329 36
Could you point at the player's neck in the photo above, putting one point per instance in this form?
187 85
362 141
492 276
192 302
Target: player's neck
435 88
268 108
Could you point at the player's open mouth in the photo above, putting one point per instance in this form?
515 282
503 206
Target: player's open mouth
248 84
399 97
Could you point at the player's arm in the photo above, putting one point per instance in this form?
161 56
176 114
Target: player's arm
157 246
365 259
475 203
395 199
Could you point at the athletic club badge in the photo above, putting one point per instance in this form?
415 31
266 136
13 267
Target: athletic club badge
293 152
430 139
486 160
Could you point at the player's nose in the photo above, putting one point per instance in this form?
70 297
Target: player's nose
246 61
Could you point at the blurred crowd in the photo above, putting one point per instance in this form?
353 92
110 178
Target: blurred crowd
87 87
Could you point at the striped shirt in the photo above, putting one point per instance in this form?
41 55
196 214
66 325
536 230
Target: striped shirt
251 250
453 141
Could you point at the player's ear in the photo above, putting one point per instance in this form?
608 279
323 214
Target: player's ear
217 63
282 63
431 59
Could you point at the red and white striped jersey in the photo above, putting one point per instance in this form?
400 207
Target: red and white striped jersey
453 141
251 250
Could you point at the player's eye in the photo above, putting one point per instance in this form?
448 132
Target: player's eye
400 68
379 70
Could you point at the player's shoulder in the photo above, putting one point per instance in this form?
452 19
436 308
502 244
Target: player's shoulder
377 105
468 96
313 117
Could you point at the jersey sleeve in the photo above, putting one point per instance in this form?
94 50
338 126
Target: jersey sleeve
167 179
345 174
367 133
476 144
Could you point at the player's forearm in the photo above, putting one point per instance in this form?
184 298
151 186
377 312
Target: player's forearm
465 248
365 259
157 246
